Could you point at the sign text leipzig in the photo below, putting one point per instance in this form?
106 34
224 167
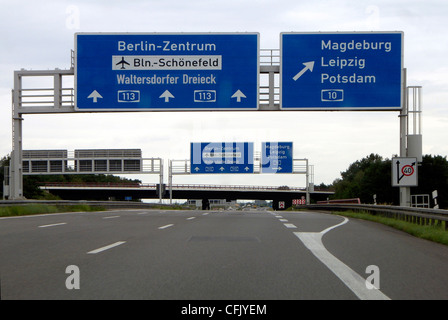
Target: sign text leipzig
133 72
341 71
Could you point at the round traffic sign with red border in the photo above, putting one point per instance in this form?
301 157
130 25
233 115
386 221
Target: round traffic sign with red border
407 170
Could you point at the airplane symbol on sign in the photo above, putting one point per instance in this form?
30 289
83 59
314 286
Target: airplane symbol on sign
122 62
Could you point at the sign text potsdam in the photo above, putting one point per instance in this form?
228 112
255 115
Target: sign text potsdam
341 71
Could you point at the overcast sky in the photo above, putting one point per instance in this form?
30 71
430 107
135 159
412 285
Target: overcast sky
39 35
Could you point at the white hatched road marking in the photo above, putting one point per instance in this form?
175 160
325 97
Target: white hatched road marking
356 283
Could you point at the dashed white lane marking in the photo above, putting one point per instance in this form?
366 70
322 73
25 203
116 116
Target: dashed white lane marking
166 226
52 225
191 218
356 283
106 247
290 225
283 220
111 217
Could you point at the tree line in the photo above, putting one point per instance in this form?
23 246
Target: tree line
372 176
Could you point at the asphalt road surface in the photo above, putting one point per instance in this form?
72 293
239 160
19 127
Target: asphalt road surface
208 255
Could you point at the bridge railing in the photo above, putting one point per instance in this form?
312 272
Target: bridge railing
174 186
96 185
235 187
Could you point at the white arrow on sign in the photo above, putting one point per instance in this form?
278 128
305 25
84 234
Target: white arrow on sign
222 169
167 95
238 95
94 95
308 66
196 169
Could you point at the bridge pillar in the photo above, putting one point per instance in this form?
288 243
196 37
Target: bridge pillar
205 204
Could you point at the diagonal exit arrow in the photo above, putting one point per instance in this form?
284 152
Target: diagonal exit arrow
308 66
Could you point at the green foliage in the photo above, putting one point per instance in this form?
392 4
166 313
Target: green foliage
366 177
435 233
372 175
3 163
433 175
41 209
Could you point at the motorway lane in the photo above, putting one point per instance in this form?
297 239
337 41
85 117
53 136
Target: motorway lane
410 268
209 255
229 255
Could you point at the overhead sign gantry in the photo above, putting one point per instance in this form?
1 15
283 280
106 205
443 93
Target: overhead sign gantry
220 72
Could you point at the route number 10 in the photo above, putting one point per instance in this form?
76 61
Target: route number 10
332 95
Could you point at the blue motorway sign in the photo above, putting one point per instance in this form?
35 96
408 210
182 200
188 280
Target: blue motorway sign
144 72
341 71
222 157
276 157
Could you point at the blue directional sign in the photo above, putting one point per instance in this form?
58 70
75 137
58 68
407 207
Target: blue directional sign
341 71
276 157
222 157
144 72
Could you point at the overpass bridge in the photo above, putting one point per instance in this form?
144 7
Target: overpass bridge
134 191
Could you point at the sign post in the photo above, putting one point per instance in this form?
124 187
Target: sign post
158 71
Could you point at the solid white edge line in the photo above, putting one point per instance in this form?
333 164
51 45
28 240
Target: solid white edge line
52 225
106 247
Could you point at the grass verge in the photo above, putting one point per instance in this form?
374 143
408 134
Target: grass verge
41 209
429 232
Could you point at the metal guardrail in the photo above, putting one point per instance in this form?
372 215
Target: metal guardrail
421 216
